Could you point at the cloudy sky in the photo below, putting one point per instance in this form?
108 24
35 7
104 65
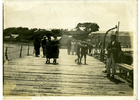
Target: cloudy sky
67 14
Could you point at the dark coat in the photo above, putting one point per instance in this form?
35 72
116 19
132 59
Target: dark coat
36 43
43 42
115 49
37 46
55 49
83 49
49 49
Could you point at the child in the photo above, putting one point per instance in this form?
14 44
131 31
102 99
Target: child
78 53
83 52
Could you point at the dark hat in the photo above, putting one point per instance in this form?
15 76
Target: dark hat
55 36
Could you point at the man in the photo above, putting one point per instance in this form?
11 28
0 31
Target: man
113 49
37 46
89 48
43 43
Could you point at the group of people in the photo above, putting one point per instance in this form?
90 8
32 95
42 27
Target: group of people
79 48
50 48
72 47
81 51
113 51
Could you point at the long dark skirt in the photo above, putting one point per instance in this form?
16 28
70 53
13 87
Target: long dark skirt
55 52
48 52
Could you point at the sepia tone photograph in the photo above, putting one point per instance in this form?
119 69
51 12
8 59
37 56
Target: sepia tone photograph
69 49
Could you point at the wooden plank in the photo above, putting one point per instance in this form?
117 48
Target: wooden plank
30 76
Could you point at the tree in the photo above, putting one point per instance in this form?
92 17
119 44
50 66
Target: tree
56 32
83 29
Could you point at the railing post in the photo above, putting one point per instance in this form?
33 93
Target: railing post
6 53
28 51
20 52
33 51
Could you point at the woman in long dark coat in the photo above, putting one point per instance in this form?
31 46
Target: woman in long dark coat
55 49
48 49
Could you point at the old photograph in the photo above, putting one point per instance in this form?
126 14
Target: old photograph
70 49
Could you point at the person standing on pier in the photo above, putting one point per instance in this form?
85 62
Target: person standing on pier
72 47
48 50
68 47
113 49
75 47
37 46
43 43
78 53
89 48
83 52
55 49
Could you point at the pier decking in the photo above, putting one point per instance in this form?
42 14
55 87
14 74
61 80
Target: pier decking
30 76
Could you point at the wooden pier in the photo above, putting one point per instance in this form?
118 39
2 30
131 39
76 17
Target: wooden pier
30 76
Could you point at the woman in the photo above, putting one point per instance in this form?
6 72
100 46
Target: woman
55 49
48 50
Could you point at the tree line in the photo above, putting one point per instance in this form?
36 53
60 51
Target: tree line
81 32
27 34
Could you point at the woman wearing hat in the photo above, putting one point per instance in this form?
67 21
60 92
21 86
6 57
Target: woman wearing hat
48 50
55 49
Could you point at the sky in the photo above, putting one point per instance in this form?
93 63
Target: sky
67 15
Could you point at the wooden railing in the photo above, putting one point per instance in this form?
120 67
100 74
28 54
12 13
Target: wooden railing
12 52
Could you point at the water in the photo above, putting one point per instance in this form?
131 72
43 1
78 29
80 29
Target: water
14 50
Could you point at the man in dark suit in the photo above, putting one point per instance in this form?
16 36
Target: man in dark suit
37 46
113 49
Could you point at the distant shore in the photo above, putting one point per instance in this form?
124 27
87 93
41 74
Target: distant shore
17 43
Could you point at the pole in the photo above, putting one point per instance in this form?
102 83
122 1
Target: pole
103 51
117 33
6 53
20 52
28 51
